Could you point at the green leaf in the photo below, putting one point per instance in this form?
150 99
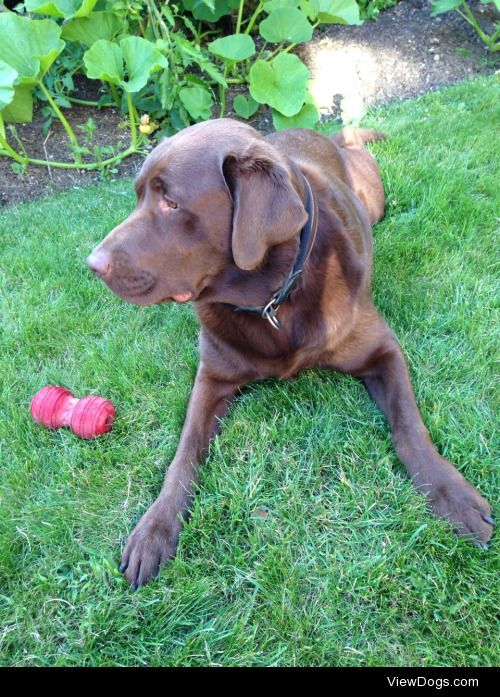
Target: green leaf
195 54
281 83
306 118
141 59
7 78
20 110
105 61
438 7
30 46
88 30
197 101
201 11
61 8
245 107
213 72
278 4
233 48
333 11
286 24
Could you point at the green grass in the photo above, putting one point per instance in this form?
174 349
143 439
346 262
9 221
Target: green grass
307 544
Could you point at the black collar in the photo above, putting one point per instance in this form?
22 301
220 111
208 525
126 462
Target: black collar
307 237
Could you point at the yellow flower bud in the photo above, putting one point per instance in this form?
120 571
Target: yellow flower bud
148 127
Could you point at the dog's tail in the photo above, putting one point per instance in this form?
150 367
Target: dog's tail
357 137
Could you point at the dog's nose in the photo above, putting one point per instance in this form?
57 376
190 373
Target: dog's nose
99 262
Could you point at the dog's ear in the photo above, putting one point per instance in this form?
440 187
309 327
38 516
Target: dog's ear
266 208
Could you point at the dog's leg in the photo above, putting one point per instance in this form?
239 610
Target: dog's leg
380 364
155 537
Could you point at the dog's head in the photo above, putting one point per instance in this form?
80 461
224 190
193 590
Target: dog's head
213 195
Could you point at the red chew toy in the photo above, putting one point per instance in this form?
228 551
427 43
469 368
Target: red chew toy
88 417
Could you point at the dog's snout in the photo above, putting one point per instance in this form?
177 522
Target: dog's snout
99 262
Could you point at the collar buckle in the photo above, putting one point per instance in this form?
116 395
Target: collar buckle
269 312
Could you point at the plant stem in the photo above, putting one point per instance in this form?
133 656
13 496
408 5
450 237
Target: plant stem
280 49
207 33
18 140
8 150
65 165
253 18
154 11
11 152
472 20
261 51
133 128
240 16
86 165
62 119
85 102
115 94
222 93
277 50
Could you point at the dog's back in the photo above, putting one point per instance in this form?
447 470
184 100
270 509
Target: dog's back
343 157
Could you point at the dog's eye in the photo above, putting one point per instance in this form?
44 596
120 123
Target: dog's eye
159 186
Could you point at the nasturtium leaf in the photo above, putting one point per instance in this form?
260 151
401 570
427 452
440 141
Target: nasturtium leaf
7 78
88 30
281 83
30 46
307 117
440 6
245 107
286 24
105 61
233 48
277 4
197 101
332 11
61 8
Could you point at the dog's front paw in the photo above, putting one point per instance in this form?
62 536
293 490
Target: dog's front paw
152 542
456 500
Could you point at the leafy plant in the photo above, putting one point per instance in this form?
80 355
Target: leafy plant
160 63
27 50
276 77
492 41
370 9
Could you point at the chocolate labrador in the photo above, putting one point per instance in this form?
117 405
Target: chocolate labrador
270 238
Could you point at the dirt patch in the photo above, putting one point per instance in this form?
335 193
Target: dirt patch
406 52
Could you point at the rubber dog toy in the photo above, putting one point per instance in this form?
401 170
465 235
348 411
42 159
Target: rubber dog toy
88 417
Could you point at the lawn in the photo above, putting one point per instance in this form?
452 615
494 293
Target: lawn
307 544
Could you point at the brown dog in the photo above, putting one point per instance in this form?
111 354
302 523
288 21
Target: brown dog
270 238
